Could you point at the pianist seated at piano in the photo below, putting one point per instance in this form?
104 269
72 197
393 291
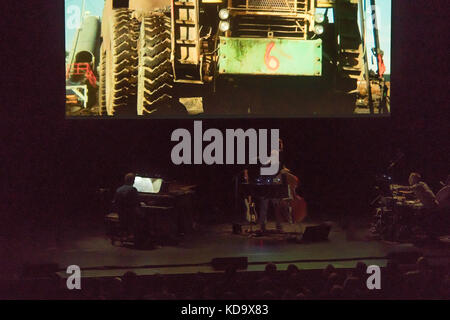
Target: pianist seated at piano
126 203
421 191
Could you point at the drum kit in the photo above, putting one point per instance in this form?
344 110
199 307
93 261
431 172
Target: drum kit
397 216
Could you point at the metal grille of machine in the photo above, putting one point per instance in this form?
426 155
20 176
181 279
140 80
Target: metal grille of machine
271 18
260 26
295 6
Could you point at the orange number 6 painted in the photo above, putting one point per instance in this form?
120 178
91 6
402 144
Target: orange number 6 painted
271 62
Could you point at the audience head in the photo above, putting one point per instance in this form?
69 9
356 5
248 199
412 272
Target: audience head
292 269
328 270
425 282
270 269
130 281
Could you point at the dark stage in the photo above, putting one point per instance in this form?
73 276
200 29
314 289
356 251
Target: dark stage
86 245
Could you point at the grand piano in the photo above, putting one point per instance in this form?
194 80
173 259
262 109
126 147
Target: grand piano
167 209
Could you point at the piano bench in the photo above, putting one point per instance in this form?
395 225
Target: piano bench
114 230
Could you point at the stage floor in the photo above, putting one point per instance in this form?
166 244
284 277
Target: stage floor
90 249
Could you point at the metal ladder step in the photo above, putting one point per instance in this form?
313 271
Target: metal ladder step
348 30
184 4
185 22
351 68
351 51
186 43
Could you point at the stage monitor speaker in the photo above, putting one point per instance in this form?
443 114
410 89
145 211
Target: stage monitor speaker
239 263
316 233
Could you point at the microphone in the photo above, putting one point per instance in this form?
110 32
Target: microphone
396 160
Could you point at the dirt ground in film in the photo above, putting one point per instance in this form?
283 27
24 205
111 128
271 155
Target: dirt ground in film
192 105
263 99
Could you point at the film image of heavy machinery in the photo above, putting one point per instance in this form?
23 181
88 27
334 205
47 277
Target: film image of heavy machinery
81 67
152 49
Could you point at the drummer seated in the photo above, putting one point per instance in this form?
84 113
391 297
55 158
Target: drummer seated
421 191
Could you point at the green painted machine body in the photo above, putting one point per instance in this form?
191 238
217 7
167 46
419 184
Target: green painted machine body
270 56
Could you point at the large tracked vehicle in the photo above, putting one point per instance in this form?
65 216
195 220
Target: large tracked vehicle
152 47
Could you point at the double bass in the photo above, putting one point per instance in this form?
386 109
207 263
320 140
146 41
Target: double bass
297 203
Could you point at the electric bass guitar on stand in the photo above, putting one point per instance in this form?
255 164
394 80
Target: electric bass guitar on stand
251 215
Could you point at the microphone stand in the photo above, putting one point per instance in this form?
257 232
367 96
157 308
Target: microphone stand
236 191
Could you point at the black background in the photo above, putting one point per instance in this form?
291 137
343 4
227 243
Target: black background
53 165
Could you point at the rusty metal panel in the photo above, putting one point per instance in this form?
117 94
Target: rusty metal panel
270 56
